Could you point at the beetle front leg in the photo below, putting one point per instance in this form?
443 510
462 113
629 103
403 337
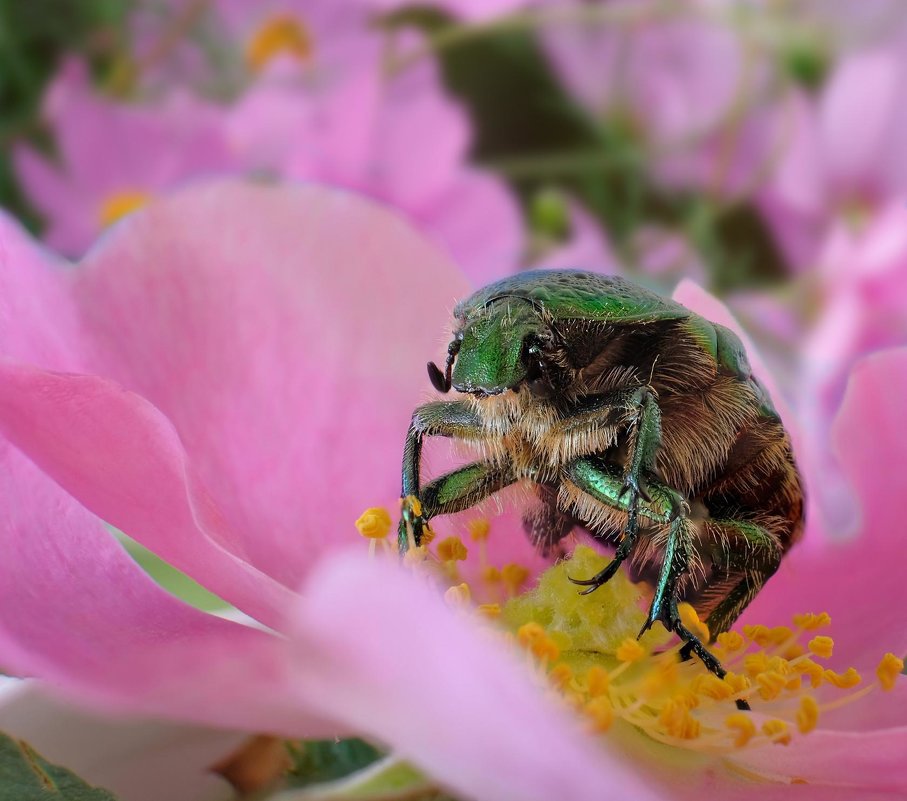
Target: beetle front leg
440 418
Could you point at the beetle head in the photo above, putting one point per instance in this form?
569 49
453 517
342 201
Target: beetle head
497 347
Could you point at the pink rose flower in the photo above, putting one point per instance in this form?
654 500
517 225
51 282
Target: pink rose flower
401 141
227 378
112 157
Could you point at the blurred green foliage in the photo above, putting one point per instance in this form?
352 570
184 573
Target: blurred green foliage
34 36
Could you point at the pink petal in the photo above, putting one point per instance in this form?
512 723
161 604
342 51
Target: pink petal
79 613
477 220
873 760
117 454
588 247
388 658
284 332
866 87
869 437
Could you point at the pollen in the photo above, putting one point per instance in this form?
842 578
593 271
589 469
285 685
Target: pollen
888 671
281 34
479 529
451 549
120 204
374 523
586 650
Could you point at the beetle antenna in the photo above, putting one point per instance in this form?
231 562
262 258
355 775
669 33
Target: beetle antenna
441 381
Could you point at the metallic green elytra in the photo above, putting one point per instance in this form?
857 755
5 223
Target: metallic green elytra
633 419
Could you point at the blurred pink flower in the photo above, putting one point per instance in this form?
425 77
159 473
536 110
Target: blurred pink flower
227 378
112 157
401 141
831 169
675 78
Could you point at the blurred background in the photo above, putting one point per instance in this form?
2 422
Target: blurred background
757 148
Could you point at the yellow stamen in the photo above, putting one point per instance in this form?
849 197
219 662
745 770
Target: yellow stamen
630 651
514 576
597 681
374 523
888 671
777 731
731 641
458 596
492 611
690 619
561 675
821 646
451 549
810 621
849 678
807 714
282 34
743 725
491 574
120 204
479 529
601 711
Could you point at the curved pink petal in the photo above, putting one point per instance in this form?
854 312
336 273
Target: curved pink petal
79 613
872 760
123 460
870 440
389 659
284 331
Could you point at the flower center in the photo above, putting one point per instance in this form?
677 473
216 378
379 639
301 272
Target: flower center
585 649
282 34
119 204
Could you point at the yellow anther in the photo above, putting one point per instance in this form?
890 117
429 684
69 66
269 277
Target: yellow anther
793 650
690 618
428 535
664 675
794 683
814 670
743 725
459 596
560 675
412 503
710 686
731 641
677 721
282 34
514 576
547 650
807 714
777 731
755 664
415 556
451 549
759 634
529 633
491 611
736 682
374 523
601 712
780 634
770 684
811 621
888 671
120 204
821 646
491 574
597 681
630 651
843 681
478 529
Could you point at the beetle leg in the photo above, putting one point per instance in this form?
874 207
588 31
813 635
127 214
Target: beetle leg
440 418
750 555
604 483
545 524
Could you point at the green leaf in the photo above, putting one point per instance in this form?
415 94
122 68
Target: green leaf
317 761
26 776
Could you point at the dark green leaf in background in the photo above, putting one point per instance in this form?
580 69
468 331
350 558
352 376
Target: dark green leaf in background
26 776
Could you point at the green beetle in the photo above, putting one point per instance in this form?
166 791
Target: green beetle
631 417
